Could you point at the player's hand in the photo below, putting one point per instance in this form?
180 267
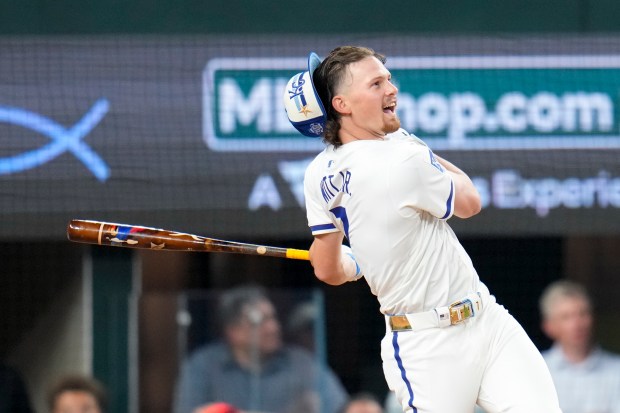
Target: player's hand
352 270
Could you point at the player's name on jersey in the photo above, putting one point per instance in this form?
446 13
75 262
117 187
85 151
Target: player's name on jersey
473 103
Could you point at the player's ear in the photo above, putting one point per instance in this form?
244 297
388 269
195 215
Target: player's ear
340 104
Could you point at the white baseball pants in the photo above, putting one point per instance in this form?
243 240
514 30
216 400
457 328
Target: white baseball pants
488 359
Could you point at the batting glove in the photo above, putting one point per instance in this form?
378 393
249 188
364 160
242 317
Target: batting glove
352 270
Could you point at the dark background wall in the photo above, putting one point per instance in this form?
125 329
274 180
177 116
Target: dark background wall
321 16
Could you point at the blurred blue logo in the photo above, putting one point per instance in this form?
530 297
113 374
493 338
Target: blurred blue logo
61 140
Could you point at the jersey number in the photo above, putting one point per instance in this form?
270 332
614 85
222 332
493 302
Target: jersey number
341 213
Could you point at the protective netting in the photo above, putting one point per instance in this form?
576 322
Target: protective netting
188 133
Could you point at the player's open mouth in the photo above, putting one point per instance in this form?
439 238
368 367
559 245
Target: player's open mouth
389 108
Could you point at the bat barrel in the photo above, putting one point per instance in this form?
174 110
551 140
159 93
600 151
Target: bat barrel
131 236
83 231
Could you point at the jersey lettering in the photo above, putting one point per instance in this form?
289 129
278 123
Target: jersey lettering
331 185
434 161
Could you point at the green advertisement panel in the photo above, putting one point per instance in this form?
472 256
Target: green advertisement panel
467 103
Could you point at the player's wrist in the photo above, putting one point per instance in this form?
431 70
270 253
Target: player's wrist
351 268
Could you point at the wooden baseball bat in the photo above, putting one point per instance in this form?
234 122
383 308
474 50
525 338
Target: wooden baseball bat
132 236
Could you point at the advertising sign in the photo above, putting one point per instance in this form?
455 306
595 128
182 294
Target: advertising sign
472 103
174 134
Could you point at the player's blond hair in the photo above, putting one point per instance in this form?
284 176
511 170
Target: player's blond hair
327 79
561 289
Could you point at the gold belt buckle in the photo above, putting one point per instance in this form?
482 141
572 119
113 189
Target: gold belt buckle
399 323
461 311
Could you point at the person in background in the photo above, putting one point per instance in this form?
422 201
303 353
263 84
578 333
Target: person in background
300 326
587 378
77 394
13 394
217 408
390 404
362 403
251 367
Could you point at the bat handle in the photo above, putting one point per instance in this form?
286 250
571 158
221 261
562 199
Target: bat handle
298 254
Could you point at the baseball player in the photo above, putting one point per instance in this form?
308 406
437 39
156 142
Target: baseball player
448 344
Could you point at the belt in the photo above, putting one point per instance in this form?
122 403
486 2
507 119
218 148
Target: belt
455 313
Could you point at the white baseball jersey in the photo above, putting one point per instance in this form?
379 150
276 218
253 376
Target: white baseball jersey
391 198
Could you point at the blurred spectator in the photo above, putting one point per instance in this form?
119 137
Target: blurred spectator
217 408
390 404
587 378
362 403
77 394
300 326
251 368
13 395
